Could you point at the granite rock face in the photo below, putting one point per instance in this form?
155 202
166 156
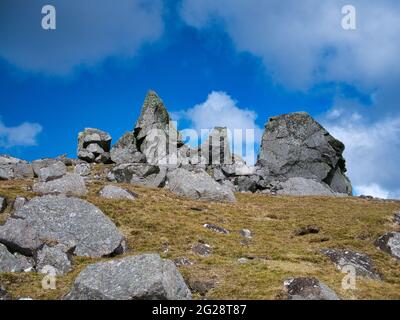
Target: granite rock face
71 222
198 185
140 174
14 168
295 145
126 150
390 243
140 277
116 193
94 146
70 183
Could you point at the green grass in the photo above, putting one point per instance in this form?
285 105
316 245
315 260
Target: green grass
159 217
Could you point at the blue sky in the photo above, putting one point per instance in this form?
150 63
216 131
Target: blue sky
230 63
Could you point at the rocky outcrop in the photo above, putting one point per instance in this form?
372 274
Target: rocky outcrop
116 193
197 185
308 289
295 145
13 168
143 277
390 243
71 184
362 263
94 146
126 150
71 222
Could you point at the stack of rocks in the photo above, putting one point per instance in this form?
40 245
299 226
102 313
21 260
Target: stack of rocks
94 146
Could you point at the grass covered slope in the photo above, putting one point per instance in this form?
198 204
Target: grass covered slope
158 220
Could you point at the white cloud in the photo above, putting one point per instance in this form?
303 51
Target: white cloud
303 43
373 190
88 31
24 134
220 110
372 152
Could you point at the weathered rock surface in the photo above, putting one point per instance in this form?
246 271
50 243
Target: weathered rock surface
18 203
54 257
308 289
140 174
3 204
126 150
301 187
83 169
390 243
93 144
116 193
53 171
246 233
13 168
396 218
140 277
154 130
9 262
198 185
295 145
361 262
42 163
70 222
71 184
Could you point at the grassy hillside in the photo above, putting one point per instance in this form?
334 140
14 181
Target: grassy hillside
158 220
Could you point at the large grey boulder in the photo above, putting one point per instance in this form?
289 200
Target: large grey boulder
154 131
143 277
14 168
52 172
71 184
126 150
42 163
198 185
93 144
362 263
116 193
308 289
10 262
140 174
301 187
83 169
389 243
54 257
67 221
295 145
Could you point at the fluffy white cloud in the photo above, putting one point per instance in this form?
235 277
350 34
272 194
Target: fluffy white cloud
88 31
372 151
24 134
220 110
303 42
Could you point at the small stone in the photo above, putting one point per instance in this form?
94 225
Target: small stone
216 228
183 262
82 169
202 249
246 233
243 260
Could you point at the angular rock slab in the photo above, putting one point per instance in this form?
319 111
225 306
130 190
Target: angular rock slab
54 257
361 262
140 174
14 168
308 289
126 151
67 221
116 193
302 187
390 243
143 277
52 172
198 185
71 184
9 262
295 145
